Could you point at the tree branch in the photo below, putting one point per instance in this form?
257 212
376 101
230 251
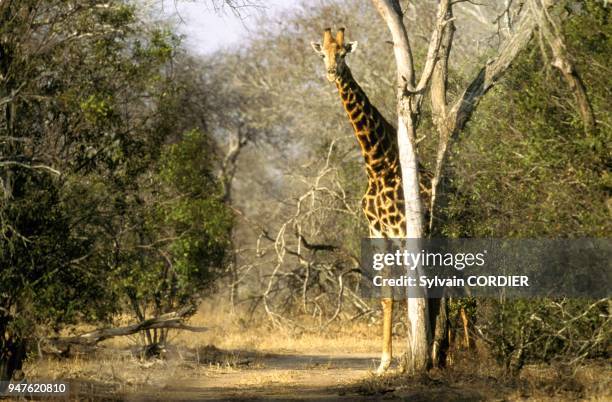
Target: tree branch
33 167
489 75
439 109
443 18
562 62
172 320
392 14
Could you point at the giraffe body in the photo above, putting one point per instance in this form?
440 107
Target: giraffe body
383 202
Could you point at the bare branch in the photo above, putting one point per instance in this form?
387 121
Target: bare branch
443 18
439 109
450 123
490 74
33 167
238 139
392 14
562 61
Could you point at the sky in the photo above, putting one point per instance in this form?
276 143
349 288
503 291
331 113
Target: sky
207 30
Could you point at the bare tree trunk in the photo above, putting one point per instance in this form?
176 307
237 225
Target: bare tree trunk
451 119
419 333
410 96
238 139
11 358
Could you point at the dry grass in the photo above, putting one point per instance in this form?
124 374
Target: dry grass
244 361
474 380
229 354
230 332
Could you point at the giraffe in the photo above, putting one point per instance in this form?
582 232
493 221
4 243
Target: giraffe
383 202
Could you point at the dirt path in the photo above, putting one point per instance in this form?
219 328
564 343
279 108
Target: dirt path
292 377
269 376
209 373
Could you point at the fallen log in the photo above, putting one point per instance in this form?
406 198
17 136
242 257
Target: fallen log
62 345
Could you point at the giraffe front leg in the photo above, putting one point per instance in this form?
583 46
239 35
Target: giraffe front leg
387 353
466 332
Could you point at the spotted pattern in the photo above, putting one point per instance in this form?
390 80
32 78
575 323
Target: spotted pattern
383 202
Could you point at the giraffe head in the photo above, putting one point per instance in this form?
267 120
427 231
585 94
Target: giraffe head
333 51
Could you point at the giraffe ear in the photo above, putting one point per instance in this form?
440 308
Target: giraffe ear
317 48
350 47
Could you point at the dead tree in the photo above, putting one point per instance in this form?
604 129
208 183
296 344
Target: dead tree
309 275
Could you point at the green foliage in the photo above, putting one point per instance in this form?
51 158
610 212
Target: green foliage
37 243
188 227
544 330
526 168
97 216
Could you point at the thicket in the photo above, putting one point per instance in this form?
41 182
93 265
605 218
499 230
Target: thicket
108 199
524 167
527 168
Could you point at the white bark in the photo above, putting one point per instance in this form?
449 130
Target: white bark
419 333
410 96
410 179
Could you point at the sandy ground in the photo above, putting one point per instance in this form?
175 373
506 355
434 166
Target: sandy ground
234 361
219 375
271 376
210 373
255 376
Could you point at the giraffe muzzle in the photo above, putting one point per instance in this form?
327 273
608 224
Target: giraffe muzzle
332 74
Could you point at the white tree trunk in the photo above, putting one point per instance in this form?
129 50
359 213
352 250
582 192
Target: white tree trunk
409 98
419 333
410 177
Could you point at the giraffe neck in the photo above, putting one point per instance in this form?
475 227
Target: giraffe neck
383 203
375 135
